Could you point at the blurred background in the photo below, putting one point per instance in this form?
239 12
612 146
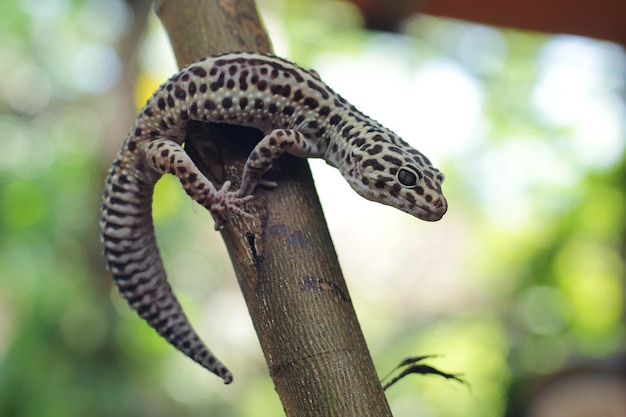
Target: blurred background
520 287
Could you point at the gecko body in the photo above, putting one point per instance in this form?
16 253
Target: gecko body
297 113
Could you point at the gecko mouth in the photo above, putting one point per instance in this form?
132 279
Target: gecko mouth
433 211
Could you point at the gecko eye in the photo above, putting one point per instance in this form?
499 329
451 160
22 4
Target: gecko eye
408 177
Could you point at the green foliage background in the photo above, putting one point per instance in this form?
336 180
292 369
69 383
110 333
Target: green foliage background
551 282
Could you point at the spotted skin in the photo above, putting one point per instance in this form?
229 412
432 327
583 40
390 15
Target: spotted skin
298 114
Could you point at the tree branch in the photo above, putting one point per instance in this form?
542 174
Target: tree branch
284 258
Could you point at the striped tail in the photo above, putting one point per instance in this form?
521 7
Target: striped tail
133 258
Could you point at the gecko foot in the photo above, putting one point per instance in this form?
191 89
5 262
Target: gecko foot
224 201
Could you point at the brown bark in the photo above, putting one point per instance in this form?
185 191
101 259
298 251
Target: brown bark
284 258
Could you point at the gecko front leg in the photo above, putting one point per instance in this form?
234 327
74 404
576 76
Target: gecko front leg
268 150
167 156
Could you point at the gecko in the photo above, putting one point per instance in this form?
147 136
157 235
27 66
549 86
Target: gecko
297 113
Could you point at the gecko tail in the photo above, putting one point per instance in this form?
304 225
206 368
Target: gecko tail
133 258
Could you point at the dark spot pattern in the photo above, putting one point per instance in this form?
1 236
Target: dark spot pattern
217 84
374 163
243 80
359 142
179 93
198 71
324 111
392 159
334 120
375 150
323 91
311 103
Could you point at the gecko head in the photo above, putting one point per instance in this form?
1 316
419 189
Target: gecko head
395 174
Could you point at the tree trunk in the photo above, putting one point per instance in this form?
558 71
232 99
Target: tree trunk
284 258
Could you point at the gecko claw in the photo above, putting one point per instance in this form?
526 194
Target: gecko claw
249 185
266 183
228 201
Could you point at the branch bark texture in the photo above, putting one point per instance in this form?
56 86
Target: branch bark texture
284 258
